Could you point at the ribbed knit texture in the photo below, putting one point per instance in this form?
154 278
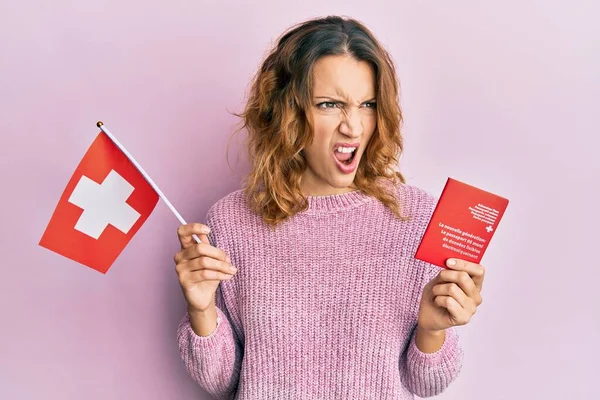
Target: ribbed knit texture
324 307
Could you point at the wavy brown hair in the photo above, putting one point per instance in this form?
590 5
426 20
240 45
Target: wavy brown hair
279 126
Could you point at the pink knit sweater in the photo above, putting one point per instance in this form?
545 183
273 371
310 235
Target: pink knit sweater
324 307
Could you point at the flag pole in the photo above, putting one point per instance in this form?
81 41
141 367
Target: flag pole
100 125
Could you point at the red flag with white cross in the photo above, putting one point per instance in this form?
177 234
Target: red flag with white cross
105 203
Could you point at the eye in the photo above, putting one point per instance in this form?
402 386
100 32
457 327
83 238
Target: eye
371 105
327 105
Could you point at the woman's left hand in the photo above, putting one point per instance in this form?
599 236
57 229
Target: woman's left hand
452 297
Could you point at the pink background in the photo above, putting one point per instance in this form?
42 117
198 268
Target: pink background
500 94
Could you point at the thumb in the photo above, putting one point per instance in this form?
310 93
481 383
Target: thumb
188 234
204 239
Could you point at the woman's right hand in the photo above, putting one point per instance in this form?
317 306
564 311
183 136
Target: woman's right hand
200 267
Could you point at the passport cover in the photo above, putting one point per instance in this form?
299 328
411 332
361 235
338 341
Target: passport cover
463 222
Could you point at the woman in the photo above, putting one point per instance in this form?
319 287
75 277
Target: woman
326 299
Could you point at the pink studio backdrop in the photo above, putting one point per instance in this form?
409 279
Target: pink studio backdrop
499 94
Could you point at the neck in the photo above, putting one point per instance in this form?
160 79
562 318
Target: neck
309 189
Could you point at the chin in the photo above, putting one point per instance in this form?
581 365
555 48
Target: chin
343 182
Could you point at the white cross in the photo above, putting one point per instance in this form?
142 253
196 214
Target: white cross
489 228
104 204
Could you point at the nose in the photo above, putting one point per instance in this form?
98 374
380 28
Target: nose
351 124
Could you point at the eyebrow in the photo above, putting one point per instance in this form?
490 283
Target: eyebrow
340 100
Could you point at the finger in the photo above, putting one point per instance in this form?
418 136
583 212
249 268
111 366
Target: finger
462 279
201 250
454 291
204 263
203 239
209 263
476 271
204 275
458 314
185 232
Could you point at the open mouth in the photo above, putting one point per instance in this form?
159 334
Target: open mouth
345 155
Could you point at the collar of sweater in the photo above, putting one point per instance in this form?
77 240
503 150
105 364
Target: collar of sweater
337 202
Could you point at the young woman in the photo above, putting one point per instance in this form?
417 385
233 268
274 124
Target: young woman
326 299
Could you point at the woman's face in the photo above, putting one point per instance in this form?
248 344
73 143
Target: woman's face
345 117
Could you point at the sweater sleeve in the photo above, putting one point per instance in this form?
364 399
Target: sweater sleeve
213 361
429 374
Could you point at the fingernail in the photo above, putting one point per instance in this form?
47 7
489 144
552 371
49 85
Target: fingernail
233 269
205 230
228 260
451 262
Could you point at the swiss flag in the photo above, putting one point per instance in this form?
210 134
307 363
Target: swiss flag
104 204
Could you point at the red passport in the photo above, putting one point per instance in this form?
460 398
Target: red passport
462 224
